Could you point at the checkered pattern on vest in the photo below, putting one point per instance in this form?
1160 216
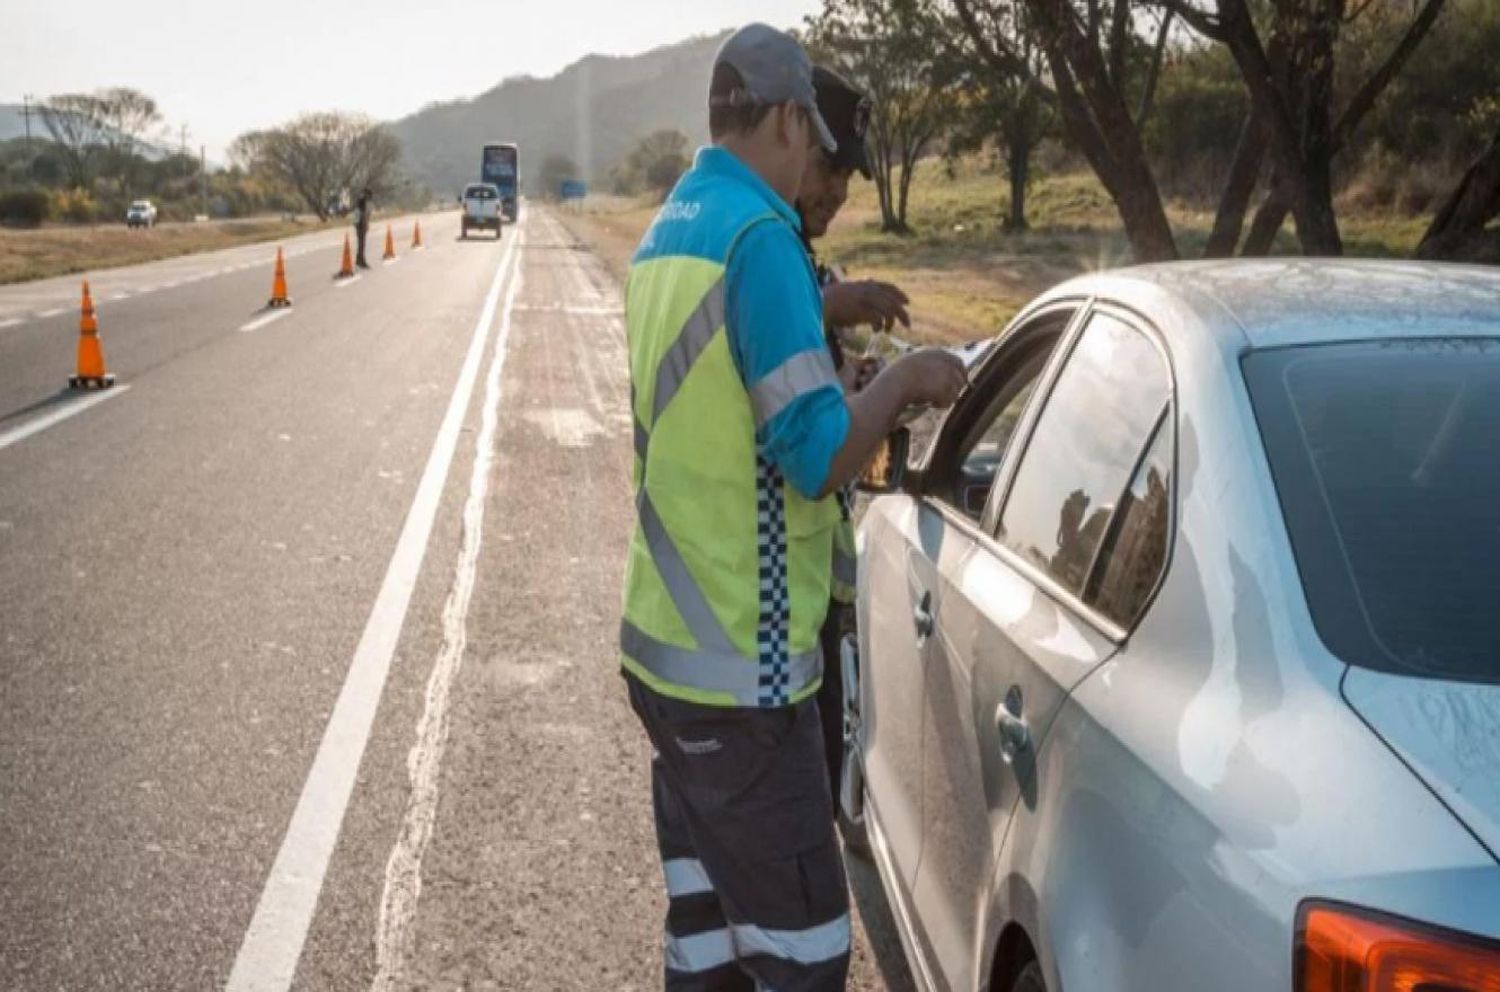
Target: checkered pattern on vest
773 631
845 497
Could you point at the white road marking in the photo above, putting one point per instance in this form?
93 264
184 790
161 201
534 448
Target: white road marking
12 321
53 312
403 871
267 960
349 281
147 289
72 409
120 296
581 311
265 319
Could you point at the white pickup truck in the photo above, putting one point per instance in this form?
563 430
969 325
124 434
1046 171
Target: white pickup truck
481 208
142 213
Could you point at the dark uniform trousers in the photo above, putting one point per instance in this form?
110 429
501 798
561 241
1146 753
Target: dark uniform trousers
757 898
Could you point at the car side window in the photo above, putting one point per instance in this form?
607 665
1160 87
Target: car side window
1085 452
1135 550
974 447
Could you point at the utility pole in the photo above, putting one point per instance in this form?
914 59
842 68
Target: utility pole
203 172
184 139
26 113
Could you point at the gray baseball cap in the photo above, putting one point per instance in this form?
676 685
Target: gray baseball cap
774 69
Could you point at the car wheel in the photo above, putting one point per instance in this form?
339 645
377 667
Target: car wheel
1029 980
851 799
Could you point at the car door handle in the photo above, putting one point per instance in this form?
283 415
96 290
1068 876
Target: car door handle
1015 734
922 617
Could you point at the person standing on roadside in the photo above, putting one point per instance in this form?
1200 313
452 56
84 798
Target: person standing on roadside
362 225
846 304
742 432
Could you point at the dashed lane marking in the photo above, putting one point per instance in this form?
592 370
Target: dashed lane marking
266 318
71 409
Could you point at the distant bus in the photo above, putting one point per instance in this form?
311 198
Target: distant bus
501 165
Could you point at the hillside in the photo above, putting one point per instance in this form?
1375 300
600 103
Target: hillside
593 112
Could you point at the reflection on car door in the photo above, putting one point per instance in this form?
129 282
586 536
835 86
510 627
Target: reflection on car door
1017 625
894 573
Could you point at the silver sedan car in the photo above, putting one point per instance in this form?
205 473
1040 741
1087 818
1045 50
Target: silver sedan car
1179 654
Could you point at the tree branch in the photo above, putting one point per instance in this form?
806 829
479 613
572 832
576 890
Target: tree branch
1201 21
1365 97
1148 95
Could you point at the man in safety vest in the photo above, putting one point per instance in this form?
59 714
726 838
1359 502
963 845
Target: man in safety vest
846 304
741 433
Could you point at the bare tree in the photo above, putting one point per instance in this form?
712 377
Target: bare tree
892 50
321 156
1009 104
76 123
127 116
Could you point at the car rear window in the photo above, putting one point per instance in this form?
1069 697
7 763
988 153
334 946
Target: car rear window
479 193
1386 459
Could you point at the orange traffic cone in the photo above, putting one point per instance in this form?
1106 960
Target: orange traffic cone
346 269
416 235
90 354
390 245
278 285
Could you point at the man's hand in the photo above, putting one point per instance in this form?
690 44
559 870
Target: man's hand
927 377
854 304
857 373
931 377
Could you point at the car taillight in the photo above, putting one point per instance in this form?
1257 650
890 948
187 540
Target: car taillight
1342 949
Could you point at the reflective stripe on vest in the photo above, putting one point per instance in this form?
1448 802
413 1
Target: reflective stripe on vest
731 673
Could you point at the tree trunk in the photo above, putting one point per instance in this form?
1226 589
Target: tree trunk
1018 164
1099 124
1244 170
1300 145
1267 223
1457 230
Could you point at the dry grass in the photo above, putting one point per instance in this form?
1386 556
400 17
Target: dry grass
966 274
55 251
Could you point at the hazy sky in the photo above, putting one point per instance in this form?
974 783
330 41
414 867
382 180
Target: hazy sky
225 68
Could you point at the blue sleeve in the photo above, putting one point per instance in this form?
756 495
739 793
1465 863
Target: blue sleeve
774 313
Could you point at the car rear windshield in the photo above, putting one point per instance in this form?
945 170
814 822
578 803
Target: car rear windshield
1386 458
479 193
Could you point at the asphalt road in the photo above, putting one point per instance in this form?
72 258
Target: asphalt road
307 668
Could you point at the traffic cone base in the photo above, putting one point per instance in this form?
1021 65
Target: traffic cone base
346 268
279 297
91 373
390 245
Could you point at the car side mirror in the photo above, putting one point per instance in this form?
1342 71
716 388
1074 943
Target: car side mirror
886 470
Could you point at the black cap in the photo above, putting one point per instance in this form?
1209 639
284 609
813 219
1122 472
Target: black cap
847 111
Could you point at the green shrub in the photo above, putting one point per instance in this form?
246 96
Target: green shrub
24 207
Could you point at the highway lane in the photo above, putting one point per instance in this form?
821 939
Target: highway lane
186 575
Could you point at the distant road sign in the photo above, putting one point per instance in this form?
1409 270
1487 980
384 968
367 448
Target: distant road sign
572 189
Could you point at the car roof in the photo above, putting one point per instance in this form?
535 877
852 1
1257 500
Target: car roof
473 186
1270 303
